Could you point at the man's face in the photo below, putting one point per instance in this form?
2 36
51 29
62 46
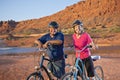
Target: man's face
52 30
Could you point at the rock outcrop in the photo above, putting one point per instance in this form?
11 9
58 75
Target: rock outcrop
92 12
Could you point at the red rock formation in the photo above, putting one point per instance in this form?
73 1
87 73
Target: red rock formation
92 12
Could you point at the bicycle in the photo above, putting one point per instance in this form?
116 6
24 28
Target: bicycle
41 70
73 73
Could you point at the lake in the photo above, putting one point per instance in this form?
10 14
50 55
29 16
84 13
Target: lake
15 50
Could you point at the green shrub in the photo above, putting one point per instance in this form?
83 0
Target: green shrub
68 31
115 29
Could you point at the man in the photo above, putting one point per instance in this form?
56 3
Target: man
53 42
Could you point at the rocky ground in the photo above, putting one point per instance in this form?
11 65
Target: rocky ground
18 67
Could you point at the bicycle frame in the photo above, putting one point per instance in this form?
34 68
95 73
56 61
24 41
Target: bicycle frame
73 73
42 59
41 62
82 68
39 69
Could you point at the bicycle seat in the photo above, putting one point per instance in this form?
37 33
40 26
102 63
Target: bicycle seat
94 58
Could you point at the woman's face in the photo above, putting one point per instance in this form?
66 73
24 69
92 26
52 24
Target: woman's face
77 29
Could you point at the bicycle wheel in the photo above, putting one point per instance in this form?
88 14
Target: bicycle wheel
42 74
70 76
35 76
99 75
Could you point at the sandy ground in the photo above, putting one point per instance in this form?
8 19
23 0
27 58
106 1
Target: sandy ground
18 67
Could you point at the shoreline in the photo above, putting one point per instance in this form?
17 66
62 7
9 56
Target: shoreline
26 50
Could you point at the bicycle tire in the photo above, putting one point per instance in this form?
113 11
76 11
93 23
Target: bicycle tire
42 74
35 76
99 74
70 76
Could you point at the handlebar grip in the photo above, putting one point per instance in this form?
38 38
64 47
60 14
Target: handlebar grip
89 46
65 55
35 45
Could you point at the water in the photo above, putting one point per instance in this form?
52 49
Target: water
16 50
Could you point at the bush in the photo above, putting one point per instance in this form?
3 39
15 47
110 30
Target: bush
115 29
68 31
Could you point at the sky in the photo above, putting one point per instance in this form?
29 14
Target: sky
19 10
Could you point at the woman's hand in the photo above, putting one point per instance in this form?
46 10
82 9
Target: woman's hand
94 46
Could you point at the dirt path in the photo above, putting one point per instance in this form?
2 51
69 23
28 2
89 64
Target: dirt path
19 67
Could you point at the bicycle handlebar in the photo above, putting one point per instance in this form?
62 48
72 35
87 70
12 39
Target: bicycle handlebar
72 48
87 46
42 49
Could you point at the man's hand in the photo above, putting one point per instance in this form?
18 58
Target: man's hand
38 43
52 42
46 44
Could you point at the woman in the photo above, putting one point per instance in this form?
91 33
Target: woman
80 40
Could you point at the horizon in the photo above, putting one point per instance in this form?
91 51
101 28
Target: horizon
26 10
